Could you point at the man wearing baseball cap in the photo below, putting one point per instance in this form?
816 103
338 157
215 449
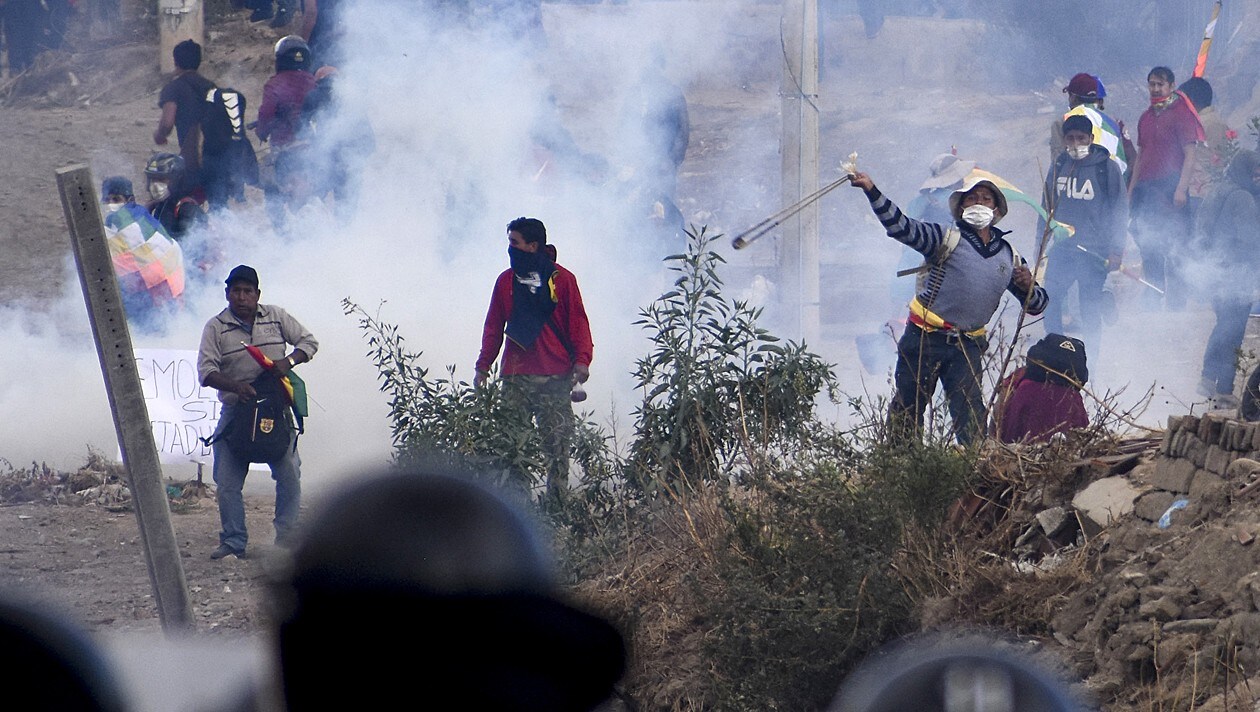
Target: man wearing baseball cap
1085 98
223 363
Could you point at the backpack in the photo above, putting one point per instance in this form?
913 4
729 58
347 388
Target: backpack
223 133
260 430
223 120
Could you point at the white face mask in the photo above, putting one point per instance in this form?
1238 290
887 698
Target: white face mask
977 216
159 191
113 207
1078 152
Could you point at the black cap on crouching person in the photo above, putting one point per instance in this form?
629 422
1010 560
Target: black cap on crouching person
1058 359
410 585
242 273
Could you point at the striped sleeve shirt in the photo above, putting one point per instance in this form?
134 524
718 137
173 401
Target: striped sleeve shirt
967 287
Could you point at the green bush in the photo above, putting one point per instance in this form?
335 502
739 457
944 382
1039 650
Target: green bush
714 383
433 419
745 547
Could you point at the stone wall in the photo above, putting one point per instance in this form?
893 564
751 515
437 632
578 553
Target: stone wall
1202 458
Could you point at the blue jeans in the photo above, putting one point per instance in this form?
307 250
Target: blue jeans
229 478
1220 359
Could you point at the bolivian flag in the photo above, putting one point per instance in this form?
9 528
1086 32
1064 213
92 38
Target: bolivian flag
294 387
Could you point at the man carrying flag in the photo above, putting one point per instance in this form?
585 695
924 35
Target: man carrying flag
227 362
294 387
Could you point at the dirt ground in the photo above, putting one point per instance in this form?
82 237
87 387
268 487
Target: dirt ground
88 559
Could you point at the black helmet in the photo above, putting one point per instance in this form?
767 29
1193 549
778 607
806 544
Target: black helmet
418 553
292 52
165 166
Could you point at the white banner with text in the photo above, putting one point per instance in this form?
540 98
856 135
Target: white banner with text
181 409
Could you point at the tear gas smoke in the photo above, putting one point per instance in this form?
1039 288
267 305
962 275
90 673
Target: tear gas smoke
462 110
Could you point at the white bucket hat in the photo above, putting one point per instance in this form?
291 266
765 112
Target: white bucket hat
955 198
947 169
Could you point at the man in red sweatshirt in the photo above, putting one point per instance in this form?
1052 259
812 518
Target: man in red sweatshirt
537 305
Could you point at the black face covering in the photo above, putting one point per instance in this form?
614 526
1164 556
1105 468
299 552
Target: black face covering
532 299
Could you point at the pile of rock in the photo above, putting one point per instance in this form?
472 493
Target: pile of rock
1205 460
1175 604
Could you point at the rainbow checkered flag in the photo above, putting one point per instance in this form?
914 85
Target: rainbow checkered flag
146 260
294 386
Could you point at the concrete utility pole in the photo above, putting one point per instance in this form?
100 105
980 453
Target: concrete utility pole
798 255
126 400
178 20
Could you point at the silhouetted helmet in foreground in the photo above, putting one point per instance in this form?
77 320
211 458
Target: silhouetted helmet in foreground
63 666
953 677
433 589
292 52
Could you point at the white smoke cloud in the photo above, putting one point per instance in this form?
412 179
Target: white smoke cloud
453 108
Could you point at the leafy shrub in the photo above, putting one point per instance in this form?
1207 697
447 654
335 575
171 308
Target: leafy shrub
714 382
745 547
433 419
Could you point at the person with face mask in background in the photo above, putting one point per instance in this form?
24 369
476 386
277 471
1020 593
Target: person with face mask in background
1159 190
1224 260
149 265
1084 189
536 304
116 194
969 265
177 206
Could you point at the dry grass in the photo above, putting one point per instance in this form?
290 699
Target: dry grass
657 588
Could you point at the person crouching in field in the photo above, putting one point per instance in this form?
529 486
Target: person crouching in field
1044 397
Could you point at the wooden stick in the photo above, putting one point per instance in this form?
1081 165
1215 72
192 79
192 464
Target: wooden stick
758 231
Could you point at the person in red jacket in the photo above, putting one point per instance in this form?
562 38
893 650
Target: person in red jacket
536 304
